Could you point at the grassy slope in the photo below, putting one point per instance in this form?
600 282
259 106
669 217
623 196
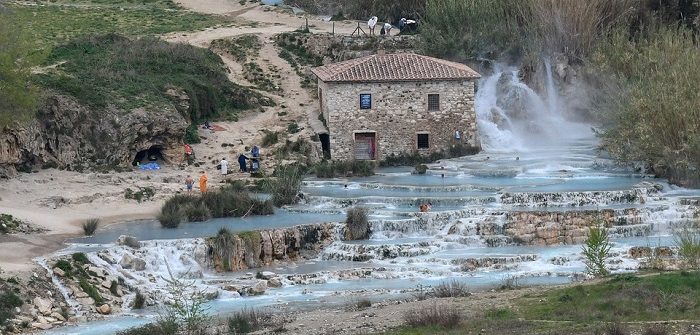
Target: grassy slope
101 69
113 70
580 309
51 23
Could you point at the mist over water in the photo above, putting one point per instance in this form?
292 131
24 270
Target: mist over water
512 117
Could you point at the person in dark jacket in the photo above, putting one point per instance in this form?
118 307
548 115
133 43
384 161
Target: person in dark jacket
242 162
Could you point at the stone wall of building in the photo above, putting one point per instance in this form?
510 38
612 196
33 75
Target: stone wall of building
399 112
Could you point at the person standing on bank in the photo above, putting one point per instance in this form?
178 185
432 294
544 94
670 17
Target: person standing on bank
188 183
241 163
203 182
224 166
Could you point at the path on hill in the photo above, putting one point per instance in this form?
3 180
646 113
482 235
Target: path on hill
295 104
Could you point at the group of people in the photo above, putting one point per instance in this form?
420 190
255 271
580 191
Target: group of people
189 182
254 160
223 166
386 27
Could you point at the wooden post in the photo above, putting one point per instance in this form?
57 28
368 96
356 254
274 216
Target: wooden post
333 31
307 24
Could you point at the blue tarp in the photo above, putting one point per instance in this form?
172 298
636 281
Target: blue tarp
149 166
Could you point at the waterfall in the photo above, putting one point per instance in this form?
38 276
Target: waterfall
552 97
512 117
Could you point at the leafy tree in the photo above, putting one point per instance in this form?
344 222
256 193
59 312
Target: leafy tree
17 96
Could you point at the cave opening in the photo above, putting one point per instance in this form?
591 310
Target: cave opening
152 154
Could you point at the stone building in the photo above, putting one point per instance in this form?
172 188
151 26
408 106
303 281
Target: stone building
386 104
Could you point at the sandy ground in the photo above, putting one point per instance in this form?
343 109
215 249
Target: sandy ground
60 201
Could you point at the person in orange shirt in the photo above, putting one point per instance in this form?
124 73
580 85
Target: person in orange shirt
203 182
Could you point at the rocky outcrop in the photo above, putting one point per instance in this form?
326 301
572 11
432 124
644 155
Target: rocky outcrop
66 134
255 249
569 227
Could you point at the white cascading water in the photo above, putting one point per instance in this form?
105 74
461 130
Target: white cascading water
512 117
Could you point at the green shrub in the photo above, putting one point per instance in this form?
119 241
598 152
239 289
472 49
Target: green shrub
687 239
143 194
596 250
192 134
270 138
240 47
171 214
451 289
90 226
248 321
80 257
363 303
230 201
223 247
293 128
357 224
91 291
8 223
433 316
65 266
169 219
158 328
286 185
8 302
196 212
113 287
420 169
139 301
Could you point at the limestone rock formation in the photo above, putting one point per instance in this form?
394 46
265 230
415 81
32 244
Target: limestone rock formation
262 248
66 134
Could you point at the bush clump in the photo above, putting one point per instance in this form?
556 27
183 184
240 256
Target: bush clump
80 257
433 316
90 226
285 185
230 201
159 328
248 321
139 301
420 169
451 289
357 224
197 213
8 223
270 138
8 302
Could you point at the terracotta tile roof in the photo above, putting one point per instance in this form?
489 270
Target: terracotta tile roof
394 67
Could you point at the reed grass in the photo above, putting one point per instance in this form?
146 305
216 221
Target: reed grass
90 226
653 108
